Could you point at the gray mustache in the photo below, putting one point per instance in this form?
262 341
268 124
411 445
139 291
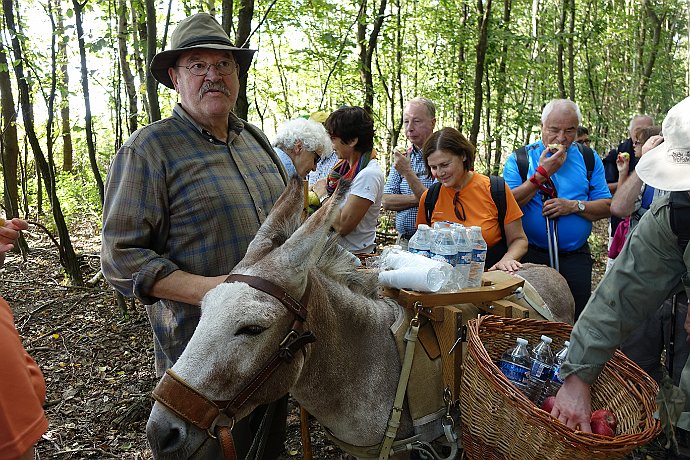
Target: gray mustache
214 86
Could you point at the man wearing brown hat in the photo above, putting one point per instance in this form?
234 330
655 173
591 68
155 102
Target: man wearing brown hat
186 195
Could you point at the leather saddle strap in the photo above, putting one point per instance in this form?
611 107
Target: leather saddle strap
283 355
185 401
296 307
226 443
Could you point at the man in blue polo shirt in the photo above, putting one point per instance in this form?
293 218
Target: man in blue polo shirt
579 201
407 179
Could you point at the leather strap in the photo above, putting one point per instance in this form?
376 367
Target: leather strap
296 307
226 443
175 394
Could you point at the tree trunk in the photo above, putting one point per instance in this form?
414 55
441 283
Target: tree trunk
68 258
10 141
571 50
560 50
65 122
501 90
78 9
482 45
459 106
138 30
130 86
366 50
655 22
244 28
226 13
151 83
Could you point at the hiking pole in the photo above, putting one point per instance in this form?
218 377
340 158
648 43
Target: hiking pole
556 260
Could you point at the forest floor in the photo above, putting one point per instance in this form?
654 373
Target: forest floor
98 362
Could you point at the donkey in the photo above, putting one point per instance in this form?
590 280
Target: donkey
346 378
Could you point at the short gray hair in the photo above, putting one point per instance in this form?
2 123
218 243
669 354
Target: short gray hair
554 103
312 134
430 106
639 117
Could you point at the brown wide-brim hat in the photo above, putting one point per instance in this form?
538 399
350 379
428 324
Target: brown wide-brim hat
198 31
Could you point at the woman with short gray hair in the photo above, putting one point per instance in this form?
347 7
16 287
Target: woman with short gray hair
300 143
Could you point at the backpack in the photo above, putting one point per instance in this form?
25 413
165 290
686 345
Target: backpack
586 152
498 194
680 217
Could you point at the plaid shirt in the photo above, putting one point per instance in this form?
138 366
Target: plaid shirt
323 167
406 220
178 198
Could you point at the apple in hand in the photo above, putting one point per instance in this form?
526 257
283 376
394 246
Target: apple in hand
606 416
599 426
548 403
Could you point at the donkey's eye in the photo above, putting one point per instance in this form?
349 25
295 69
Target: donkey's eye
251 330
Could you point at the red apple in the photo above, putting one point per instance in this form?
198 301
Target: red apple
607 417
548 403
599 426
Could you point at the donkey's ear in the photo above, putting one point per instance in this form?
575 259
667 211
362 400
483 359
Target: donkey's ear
283 219
306 244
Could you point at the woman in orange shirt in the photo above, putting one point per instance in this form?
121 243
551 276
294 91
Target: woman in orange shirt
465 198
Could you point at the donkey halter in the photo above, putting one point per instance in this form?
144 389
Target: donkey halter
217 418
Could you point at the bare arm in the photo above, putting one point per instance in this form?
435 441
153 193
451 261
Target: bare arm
573 405
398 202
517 247
185 287
9 232
395 202
351 214
526 191
623 202
594 210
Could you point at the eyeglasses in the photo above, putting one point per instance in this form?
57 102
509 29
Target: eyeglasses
636 143
459 213
201 68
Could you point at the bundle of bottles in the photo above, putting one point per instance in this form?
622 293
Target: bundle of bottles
464 249
536 372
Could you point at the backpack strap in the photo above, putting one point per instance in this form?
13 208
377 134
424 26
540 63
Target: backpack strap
498 194
430 200
522 162
680 217
588 156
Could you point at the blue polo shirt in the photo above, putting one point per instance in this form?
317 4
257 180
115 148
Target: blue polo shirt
571 183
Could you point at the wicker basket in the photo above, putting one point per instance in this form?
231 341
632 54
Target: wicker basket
499 422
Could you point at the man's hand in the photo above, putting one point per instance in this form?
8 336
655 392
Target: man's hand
573 406
623 163
9 232
553 162
401 162
556 207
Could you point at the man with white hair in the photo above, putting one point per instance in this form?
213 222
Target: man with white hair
558 197
300 144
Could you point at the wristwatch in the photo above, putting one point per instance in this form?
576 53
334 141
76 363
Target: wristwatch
580 206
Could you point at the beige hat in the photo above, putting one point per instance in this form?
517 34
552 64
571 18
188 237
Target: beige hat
667 166
198 31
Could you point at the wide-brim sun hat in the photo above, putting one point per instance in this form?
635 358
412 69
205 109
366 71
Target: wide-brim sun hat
198 31
667 166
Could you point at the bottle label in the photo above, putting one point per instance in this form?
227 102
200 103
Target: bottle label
444 258
478 255
513 371
540 370
556 376
464 258
421 252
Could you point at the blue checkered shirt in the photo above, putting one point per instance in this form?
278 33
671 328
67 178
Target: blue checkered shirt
323 167
406 220
178 198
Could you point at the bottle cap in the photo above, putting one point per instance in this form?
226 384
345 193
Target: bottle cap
567 343
521 341
546 338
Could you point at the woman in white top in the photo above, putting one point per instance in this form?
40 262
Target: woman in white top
352 132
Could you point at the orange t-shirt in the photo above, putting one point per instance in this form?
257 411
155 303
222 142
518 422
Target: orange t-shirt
22 392
479 207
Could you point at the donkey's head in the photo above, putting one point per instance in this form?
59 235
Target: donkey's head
247 323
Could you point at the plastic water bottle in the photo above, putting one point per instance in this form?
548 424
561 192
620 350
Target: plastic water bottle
443 248
515 364
420 243
463 259
478 257
556 382
541 369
